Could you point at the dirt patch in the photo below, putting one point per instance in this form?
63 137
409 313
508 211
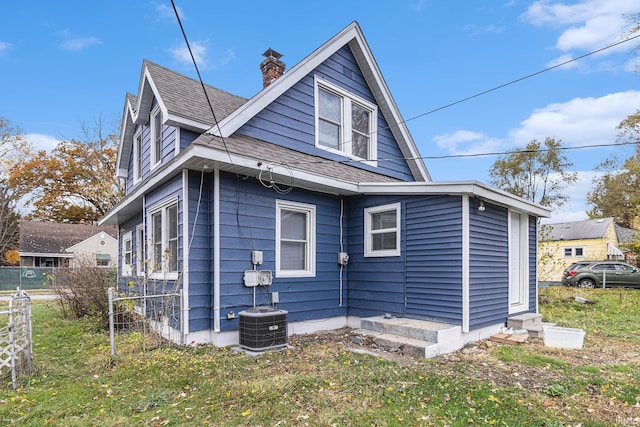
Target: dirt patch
481 361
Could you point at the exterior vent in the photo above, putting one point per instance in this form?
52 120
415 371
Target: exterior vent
263 328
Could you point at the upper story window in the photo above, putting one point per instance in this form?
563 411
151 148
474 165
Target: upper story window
137 157
345 124
295 239
163 222
156 136
382 231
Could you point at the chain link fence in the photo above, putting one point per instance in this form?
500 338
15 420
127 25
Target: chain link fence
143 322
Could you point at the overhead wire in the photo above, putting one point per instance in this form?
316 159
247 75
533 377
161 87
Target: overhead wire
204 89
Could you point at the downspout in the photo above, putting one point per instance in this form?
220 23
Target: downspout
465 263
185 254
216 250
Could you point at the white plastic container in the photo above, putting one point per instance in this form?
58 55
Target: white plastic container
571 338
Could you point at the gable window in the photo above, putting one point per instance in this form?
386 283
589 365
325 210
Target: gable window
137 157
164 240
127 254
573 252
345 124
156 136
382 231
295 239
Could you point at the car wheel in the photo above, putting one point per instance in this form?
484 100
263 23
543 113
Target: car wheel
587 283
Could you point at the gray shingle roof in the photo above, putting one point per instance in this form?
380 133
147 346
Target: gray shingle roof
271 153
54 238
626 235
576 230
183 96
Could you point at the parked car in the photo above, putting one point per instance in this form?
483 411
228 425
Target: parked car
598 274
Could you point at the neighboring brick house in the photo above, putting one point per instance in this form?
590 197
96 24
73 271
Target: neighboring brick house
562 244
49 244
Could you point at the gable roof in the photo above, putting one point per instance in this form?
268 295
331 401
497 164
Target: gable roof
181 99
576 230
352 35
53 238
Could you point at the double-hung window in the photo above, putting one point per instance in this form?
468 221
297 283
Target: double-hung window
382 230
156 136
295 239
345 123
127 254
140 250
164 239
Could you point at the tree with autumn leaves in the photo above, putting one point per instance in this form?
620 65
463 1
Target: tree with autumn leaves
75 183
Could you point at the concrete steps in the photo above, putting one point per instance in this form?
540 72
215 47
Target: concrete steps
532 322
416 338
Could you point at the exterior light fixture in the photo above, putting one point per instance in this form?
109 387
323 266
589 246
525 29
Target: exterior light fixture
481 207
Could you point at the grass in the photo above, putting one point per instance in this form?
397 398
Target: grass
319 383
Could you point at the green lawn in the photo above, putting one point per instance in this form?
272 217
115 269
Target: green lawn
321 383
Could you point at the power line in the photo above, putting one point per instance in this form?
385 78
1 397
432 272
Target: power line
451 156
193 59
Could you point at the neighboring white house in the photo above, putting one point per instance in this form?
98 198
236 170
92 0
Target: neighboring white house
101 246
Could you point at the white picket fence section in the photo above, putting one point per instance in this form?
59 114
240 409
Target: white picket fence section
16 352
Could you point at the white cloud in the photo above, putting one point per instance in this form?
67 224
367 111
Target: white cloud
4 46
199 49
576 207
465 142
72 42
166 12
585 25
580 121
42 142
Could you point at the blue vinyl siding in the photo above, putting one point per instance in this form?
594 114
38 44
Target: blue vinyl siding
376 284
533 259
169 134
488 266
289 121
434 258
200 251
247 216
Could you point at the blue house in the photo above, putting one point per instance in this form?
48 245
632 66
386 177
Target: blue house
315 186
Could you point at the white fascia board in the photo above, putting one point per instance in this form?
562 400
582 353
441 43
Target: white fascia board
217 156
235 120
140 115
183 122
396 122
471 188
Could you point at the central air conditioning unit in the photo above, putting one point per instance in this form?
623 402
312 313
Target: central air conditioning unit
263 328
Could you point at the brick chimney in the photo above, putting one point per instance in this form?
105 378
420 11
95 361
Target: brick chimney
272 68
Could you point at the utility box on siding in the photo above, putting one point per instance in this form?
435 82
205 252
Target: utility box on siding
263 328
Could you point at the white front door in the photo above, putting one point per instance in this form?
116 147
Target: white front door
518 263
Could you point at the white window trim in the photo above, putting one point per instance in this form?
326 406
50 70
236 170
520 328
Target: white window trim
126 268
310 210
345 138
573 252
137 157
156 111
163 274
368 241
140 251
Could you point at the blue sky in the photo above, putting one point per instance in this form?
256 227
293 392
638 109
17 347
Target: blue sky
71 62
